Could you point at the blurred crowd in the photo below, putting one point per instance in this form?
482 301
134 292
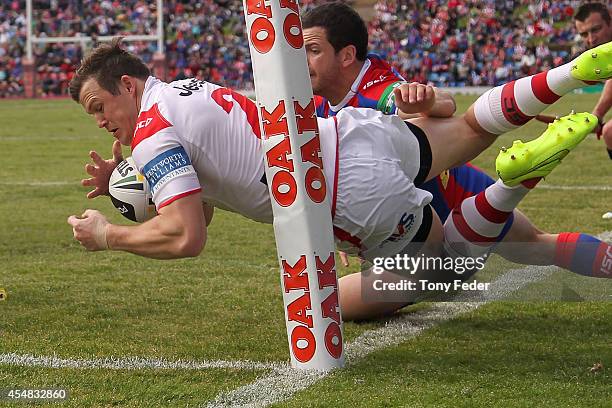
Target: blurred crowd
473 43
452 43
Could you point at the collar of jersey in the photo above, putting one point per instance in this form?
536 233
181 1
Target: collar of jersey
354 87
146 94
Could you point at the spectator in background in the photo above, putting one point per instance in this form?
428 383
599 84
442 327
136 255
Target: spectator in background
462 42
485 29
594 28
12 45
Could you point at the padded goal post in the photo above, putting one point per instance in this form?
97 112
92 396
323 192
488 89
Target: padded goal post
294 171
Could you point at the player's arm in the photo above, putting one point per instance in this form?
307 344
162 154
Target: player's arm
415 100
178 231
444 105
209 211
604 103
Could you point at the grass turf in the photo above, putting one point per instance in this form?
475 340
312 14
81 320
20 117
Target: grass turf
226 304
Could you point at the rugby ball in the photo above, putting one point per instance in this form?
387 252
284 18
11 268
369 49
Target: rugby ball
130 193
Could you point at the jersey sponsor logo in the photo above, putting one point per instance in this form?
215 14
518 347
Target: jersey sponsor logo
166 167
144 123
510 107
368 84
149 123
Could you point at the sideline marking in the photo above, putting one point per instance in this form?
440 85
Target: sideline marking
131 363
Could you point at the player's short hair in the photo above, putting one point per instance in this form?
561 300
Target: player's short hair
586 9
106 64
342 25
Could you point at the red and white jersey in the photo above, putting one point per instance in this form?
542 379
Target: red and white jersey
194 137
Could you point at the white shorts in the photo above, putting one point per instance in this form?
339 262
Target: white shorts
378 208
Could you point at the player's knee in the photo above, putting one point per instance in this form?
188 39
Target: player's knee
470 118
522 230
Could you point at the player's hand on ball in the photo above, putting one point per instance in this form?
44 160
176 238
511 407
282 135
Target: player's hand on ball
90 230
414 97
101 170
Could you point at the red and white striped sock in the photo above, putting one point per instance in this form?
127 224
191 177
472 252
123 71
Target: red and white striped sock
476 224
509 106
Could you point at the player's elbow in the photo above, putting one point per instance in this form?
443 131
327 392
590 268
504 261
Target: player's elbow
191 245
449 106
185 226
452 109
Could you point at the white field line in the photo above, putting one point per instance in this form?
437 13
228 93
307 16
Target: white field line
131 363
77 182
280 385
40 183
572 188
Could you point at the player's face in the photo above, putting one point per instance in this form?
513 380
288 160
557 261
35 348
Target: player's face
323 62
115 113
594 31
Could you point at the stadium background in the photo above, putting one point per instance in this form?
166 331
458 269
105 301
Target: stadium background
119 330
456 43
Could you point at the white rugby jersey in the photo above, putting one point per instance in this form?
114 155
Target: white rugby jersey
194 137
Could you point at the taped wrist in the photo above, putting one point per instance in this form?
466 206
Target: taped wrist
101 237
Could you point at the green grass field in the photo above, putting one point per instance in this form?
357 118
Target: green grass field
226 304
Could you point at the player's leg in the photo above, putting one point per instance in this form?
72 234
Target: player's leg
583 254
607 137
485 217
585 257
452 142
355 290
477 223
523 230
466 181
580 253
504 108
379 211
355 306
536 247
511 105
